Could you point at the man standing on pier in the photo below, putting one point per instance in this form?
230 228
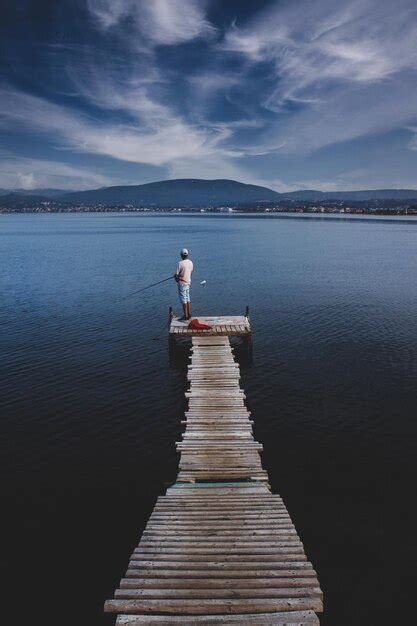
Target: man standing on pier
183 277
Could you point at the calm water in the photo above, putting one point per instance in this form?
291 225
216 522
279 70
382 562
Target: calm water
92 403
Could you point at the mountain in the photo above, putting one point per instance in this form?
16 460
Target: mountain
45 192
176 193
311 195
191 192
13 200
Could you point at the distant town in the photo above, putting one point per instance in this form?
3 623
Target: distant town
211 196
380 207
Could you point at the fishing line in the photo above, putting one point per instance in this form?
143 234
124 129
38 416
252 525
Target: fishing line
147 287
203 282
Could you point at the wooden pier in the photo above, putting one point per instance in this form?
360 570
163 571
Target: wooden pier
219 547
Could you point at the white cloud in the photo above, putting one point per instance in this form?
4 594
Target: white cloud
344 182
311 42
27 173
207 167
175 21
223 167
26 181
413 140
108 13
362 111
349 67
157 139
336 70
209 83
162 22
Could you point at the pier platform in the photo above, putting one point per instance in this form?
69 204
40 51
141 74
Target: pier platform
221 326
219 547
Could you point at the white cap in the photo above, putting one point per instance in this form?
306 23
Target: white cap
184 252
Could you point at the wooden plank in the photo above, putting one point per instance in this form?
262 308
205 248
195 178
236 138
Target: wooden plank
222 573
233 491
172 518
292 618
217 583
202 545
215 491
200 594
184 551
218 534
212 566
217 508
199 607
187 503
205 493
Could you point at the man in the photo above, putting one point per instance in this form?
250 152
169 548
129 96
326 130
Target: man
183 277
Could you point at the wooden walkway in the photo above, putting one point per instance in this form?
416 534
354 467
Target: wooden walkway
219 547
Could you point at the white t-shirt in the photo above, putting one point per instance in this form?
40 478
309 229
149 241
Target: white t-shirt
184 270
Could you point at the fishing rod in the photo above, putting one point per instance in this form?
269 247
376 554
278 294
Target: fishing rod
203 282
148 287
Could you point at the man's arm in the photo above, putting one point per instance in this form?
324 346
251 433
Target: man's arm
177 273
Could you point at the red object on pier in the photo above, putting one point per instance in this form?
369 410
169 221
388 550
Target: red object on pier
195 324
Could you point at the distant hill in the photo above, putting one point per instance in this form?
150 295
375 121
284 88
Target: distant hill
192 192
13 200
311 195
185 192
44 192
41 191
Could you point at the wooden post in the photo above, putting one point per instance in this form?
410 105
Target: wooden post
171 338
248 339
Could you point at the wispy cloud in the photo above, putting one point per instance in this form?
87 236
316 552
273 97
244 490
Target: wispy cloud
160 22
312 42
346 69
413 140
156 83
160 137
28 173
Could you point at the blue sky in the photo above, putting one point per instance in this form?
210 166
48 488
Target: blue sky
291 94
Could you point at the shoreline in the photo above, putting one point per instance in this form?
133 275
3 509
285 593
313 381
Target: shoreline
300 215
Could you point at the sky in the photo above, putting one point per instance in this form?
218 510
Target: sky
290 94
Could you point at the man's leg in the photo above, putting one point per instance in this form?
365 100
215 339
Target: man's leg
188 303
183 301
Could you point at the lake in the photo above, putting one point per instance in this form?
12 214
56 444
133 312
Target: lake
91 402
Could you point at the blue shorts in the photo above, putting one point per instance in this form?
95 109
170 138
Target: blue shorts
184 292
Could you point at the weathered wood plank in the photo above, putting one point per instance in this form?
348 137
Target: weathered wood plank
199 607
217 583
293 618
223 573
200 594
207 545
220 533
200 554
210 566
